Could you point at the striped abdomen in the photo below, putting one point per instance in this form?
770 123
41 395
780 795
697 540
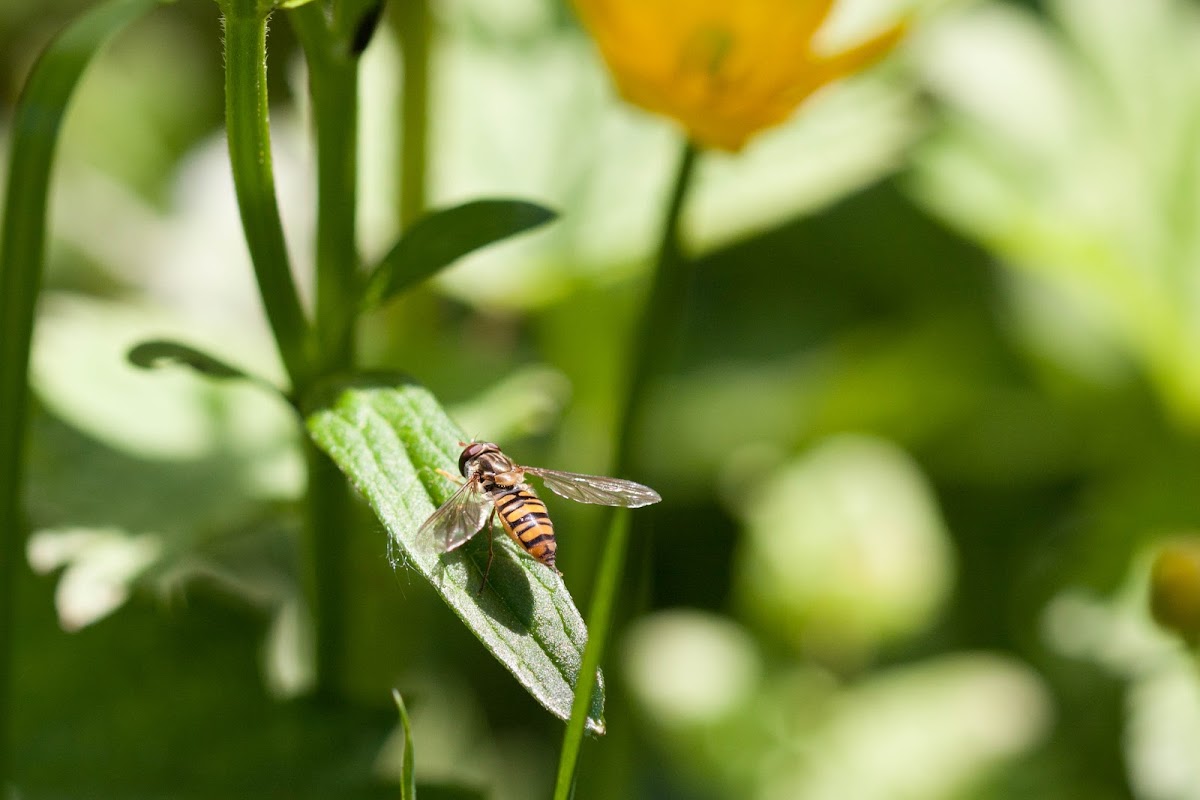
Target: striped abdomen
525 519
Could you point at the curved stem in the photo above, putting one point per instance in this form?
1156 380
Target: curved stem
249 137
658 329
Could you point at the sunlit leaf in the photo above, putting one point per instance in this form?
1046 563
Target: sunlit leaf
439 239
389 438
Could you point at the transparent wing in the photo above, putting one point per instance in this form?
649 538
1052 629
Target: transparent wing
459 518
596 489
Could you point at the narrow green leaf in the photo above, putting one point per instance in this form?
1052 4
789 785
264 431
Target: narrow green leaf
442 237
389 437
35 127
155 352
408 780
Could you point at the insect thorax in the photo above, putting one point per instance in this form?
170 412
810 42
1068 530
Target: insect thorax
494 467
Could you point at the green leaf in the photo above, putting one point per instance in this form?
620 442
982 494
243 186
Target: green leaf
442 237
389 437
408 781
155 352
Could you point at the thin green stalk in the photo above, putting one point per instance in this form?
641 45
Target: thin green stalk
248 131
415 29
658 329
35 128
333 86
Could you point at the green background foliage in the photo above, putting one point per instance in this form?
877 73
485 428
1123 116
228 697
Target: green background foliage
931 410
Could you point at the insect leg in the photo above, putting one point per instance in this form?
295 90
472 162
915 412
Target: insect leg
450 476
491 552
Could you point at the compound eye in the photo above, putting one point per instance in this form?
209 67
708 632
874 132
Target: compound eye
472 451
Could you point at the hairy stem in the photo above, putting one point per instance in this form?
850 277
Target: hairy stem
248 132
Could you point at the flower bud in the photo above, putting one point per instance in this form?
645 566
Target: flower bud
1175 588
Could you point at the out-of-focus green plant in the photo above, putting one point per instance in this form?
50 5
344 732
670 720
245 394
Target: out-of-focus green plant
1120 635
37 123
1066 147
844 551
1069 150
743 727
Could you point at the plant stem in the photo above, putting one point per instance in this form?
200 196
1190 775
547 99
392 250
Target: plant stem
248 132
327 520
415 29
333 86
35 127
658 329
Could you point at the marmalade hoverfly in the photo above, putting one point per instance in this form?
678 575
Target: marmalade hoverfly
493 485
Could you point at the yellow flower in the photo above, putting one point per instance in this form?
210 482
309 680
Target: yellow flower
725 69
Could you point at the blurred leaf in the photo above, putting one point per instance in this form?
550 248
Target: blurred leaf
154 353
155 715
389 437
1161 697
1067 148
740 727
114 523
845 550
442 237
167 415
524 403
35 132
408 784
691 668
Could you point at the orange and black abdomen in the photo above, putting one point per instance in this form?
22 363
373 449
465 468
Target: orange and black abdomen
524 518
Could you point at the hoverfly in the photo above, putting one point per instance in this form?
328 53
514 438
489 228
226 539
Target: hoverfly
493 485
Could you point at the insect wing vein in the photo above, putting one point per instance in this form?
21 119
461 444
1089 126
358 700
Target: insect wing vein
459 518
595 488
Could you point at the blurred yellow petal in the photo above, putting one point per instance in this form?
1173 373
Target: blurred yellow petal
861 56
724 70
